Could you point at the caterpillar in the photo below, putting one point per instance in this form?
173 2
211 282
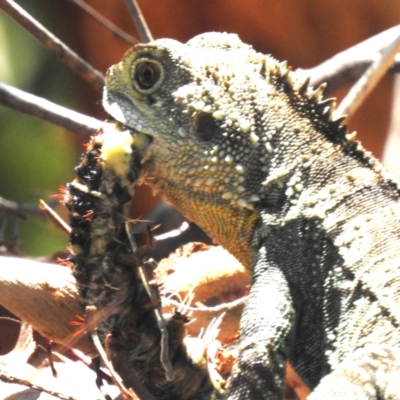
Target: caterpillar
106 266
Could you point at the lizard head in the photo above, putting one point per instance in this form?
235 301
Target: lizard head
198 102
206 105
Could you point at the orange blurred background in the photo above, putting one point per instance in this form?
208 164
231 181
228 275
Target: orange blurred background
303 32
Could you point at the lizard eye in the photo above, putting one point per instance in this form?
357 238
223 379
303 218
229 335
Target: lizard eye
147 75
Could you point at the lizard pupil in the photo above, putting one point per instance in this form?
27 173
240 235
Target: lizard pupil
147 74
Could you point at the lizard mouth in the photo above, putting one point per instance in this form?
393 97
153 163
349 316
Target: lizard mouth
142 141
116 104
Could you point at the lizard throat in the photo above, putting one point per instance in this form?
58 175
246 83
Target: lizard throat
228 226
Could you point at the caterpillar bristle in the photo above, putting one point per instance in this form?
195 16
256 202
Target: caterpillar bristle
106 267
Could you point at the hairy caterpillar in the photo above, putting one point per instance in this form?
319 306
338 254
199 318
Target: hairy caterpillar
106 270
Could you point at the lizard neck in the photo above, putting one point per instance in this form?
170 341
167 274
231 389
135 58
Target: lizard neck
230 227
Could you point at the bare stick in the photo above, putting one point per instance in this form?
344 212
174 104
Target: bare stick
139 21
21 210
126 393
369 80
52 288
63 52
28 287
162 325
48 111
6 377
119 33
54 217
347 66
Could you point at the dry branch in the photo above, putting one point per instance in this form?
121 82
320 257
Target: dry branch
139 21
369 79
343 68
47 111
202 317
18 209
51 42
6 377
208 272
119 33
348 66
44 296
198 271
57 221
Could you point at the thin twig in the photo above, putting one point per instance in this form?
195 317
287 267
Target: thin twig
48 111
348 65
19 209
63 52
369 80
161 323
173 233
50 357
126 393
54 217
13 379
139 21
119 33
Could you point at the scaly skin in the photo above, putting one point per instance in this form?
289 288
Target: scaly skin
252 155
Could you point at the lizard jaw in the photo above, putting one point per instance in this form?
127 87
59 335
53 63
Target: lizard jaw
116 106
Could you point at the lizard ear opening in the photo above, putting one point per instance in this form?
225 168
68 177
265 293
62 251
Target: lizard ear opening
206 127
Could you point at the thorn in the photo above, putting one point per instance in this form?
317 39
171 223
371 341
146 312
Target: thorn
304 86
284 74
317 93
337 121
367 154
327 113
263 69
351 137
326 108
283 69
361 148
283 65
327 102
287 77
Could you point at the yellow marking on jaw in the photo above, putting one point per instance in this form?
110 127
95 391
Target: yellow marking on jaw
116 150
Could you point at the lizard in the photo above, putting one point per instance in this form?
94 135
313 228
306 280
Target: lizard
242 146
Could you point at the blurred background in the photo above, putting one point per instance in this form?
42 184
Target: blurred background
37 157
